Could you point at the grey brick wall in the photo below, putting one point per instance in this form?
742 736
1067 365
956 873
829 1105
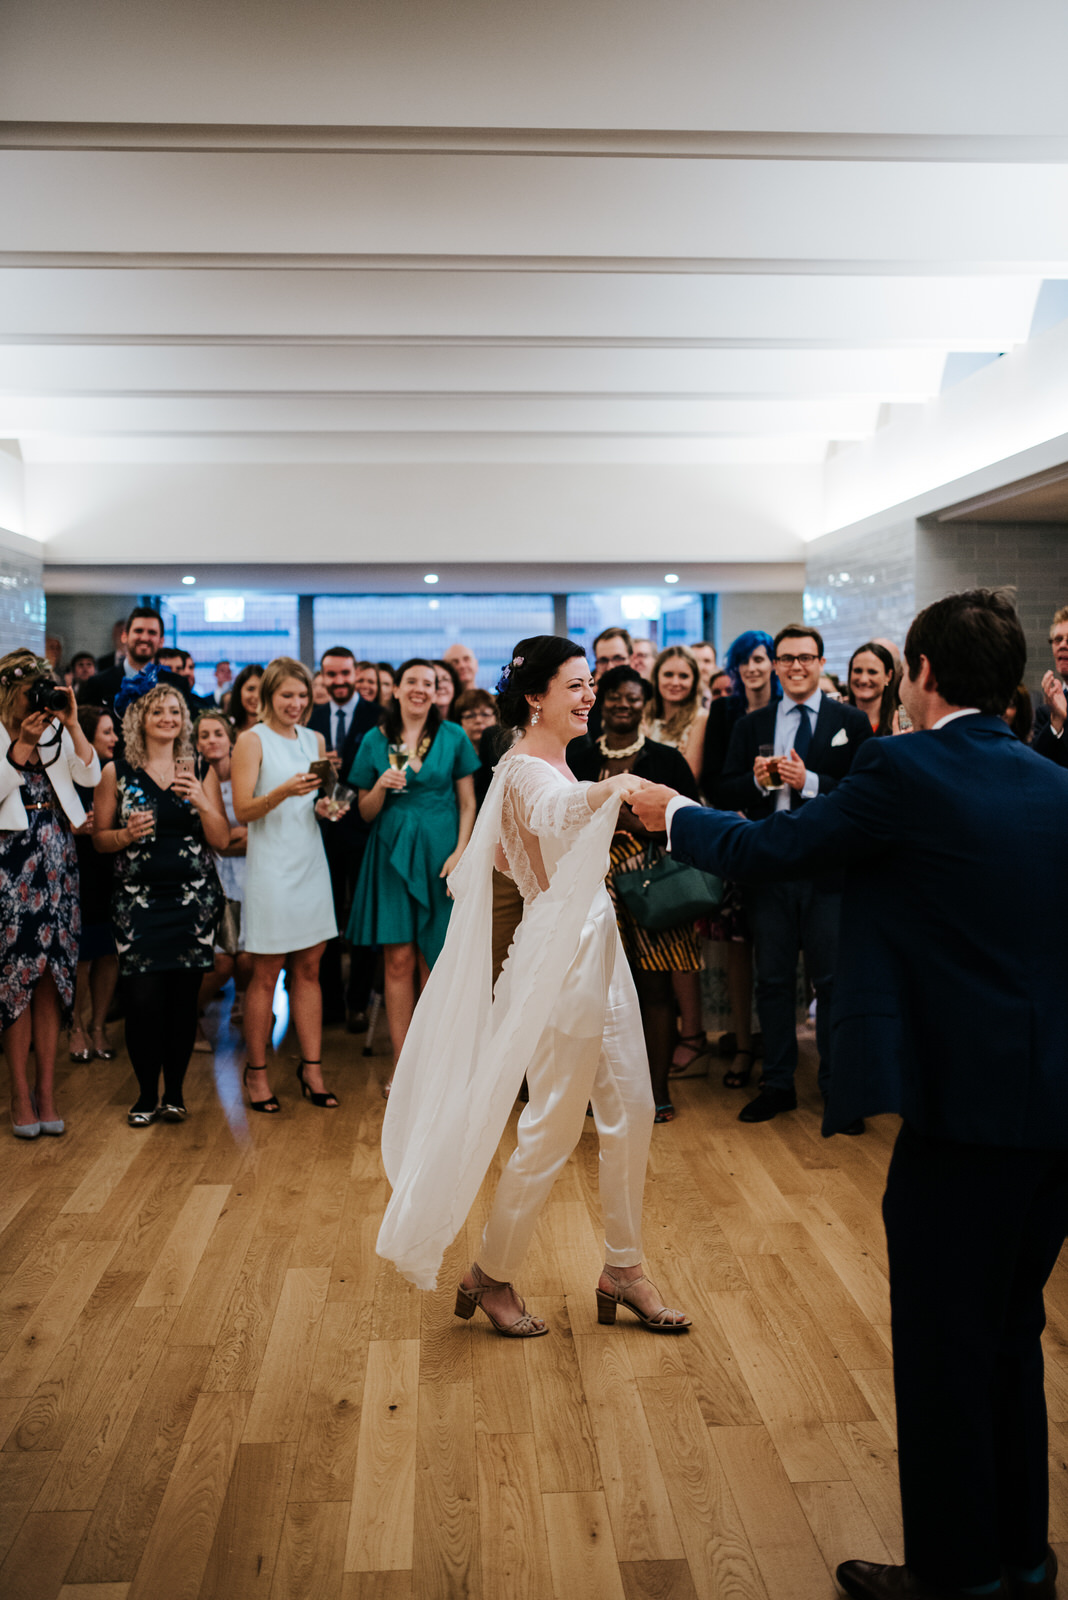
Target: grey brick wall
861 586
738 612
22 608
1033 557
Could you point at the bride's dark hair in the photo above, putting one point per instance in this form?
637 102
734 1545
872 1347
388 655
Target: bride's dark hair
534 664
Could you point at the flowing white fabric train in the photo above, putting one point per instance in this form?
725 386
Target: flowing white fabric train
468 1047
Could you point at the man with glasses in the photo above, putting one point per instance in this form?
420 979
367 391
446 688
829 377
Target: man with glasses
1052 715
612 648
811 741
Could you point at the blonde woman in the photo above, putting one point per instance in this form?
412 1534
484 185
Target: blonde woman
39 916
673 715
289 907
160 813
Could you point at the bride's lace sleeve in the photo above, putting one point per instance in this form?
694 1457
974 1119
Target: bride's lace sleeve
544 802
538 803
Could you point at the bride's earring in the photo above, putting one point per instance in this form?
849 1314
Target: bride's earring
535 716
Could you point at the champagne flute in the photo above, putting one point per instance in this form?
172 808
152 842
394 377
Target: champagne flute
398 760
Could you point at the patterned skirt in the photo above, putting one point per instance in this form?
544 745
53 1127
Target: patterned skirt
40 917
673 950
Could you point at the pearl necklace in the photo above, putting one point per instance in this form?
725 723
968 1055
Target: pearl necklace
620 755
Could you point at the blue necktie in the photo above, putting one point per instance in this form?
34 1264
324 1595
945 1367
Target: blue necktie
801 744
339 737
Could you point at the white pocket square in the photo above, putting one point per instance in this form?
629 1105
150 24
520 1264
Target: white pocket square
841 737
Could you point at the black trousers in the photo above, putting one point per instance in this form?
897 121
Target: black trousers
344 857
786 919
973 1233
161 1025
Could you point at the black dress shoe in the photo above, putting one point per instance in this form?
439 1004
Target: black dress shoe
854 1127
865 1580
1044 1589
356 1022
768 1103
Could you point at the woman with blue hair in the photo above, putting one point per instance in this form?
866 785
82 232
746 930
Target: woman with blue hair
755 684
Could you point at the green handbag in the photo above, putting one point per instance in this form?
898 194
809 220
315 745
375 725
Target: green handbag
668 893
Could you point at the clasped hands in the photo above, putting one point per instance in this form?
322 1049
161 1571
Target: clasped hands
792 770
1057 700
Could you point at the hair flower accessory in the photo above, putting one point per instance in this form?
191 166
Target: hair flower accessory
504 682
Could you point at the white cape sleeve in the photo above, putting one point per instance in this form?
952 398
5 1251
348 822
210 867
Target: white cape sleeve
467 1049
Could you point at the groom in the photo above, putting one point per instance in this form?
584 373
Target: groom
948 1009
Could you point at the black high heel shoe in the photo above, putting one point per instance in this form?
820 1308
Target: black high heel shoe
270 1105
325 1099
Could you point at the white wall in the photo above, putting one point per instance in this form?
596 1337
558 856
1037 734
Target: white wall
974 64
12 506
419 512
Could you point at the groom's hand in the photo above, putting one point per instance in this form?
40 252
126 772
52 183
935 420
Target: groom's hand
651 805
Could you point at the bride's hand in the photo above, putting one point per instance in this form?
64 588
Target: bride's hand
627 785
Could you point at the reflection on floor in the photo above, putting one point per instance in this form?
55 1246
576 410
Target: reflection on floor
210 1386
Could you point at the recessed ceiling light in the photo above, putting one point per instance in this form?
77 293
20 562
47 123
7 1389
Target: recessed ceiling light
671 577
189 579
430 577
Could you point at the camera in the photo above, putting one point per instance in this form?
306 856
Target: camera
44 695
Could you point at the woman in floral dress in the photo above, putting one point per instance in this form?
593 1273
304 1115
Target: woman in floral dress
162 821
39 916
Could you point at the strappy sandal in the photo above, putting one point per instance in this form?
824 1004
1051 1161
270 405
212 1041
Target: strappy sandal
696 1044
665 1113
268 1106
467 1300
732 1078
656 1321
324 1098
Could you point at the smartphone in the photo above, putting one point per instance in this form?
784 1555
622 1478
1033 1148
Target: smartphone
184 766
324 770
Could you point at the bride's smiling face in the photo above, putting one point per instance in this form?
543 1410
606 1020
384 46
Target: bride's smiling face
565 706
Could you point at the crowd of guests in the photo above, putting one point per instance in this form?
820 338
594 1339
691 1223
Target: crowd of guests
156 844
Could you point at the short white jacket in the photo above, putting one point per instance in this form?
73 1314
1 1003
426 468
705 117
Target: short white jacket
64 773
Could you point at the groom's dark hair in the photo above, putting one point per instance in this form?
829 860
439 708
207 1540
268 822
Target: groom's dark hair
534 664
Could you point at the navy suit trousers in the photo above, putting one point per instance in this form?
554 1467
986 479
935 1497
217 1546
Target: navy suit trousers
972 1232
786 919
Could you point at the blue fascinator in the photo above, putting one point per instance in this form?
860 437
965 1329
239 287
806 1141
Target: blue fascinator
504 682
131 689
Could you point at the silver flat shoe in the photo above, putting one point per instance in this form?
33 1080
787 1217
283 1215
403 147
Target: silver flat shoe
26 1130
142 1119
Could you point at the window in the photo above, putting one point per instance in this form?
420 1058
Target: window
664 618
393 627
269 628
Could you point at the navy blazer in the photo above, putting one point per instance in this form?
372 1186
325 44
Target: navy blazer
736 789
363 715
949 991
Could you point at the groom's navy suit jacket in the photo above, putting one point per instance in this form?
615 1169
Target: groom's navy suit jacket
950 987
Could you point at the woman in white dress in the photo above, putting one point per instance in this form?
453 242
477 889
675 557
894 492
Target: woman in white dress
563 1012
289 909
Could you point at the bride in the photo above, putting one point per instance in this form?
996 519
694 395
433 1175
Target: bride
563 1013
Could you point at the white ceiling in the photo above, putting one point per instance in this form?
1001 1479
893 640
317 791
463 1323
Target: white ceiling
490 233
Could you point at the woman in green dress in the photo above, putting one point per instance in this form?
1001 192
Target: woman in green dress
416 788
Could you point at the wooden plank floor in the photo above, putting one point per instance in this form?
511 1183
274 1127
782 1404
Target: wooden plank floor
212 1389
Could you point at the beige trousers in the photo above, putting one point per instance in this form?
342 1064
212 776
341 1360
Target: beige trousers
592 1052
